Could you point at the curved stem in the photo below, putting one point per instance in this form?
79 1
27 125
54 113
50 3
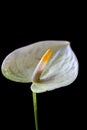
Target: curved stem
35 109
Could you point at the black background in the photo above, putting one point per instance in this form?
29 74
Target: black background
57 109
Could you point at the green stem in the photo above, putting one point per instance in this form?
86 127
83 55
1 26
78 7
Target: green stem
35 109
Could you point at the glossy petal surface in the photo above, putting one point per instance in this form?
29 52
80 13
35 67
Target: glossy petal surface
61 70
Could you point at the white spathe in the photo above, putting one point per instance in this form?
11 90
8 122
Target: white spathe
61 70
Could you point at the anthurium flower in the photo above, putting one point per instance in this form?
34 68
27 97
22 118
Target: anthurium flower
47 64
